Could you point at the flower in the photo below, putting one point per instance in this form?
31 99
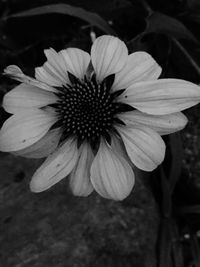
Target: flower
94 117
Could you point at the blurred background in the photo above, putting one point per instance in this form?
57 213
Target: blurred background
158 225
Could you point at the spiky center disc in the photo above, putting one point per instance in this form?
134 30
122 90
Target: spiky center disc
87 109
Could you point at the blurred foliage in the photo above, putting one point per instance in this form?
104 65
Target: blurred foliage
169 31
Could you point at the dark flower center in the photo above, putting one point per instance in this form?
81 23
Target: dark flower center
87 109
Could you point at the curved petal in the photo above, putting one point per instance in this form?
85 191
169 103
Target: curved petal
109 55
80 176
76 61
140 66
15 73
26 96
145 147
42 148
55 62
48 76
162 96
56 167
53 72
162 124
24 129
118 147
111 176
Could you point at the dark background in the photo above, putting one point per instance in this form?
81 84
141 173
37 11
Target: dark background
153 227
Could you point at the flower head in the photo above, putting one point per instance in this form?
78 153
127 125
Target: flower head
94 117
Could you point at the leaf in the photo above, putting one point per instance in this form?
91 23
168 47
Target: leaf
137 43
161 23
92 18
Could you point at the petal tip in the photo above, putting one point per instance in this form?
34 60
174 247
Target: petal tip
109 55
33 186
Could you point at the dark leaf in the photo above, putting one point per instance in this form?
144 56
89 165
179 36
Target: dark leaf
92 18
137 43
161 23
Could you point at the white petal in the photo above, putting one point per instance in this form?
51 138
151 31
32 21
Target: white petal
24 129
42 148
53 72
162 124
49 77
56 167
145 147
109 55
111 176
15 73
118 147
26 96
140 66
56 62
80 176
162 96
76 61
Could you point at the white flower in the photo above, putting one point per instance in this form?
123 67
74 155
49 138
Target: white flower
94 117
